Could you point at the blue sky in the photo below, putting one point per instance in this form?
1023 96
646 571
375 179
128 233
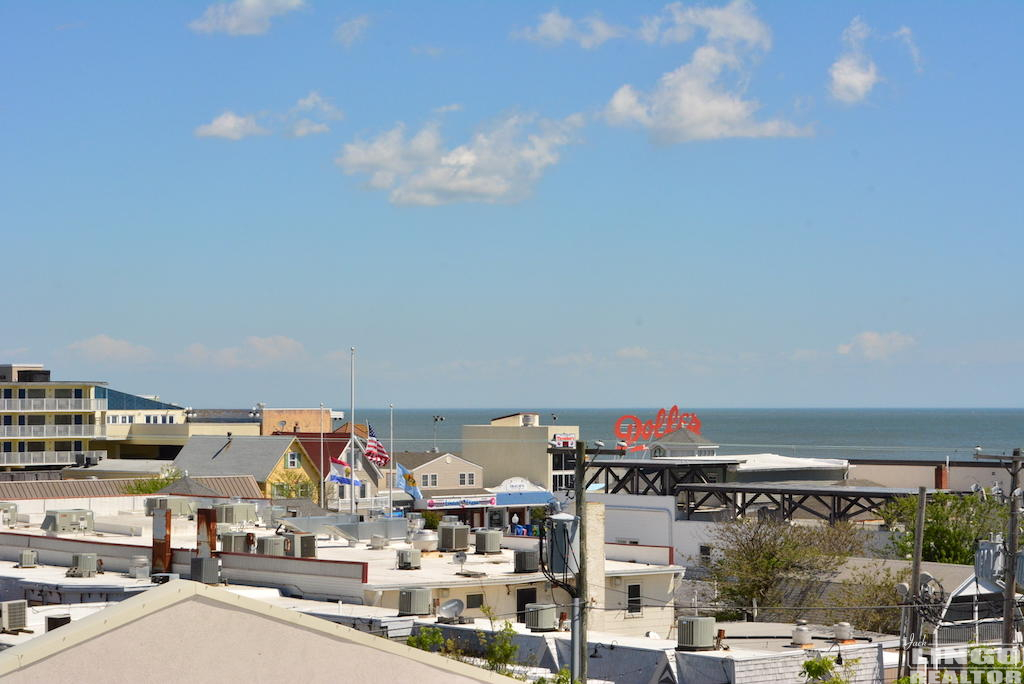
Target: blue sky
518 204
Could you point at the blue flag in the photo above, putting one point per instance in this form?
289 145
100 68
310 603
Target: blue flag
408 482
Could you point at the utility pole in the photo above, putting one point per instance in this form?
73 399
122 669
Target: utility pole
582 600
914 616
1012 464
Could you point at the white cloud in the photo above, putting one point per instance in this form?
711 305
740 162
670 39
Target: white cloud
352 30
634 353
555 28
253 353
242 17
499 163
853 74
103 348
702 99
876 346
304 127
231 126
454 107
574 359
907 36
428 50
317 103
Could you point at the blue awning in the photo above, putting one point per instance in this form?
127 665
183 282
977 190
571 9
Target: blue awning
524 498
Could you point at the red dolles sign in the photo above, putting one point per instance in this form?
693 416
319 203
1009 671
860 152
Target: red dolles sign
631 429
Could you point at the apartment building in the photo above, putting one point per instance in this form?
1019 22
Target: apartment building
49 423
517 445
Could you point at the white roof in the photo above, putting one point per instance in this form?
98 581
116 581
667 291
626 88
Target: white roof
755 462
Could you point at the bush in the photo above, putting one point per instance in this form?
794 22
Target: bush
431 519
152 485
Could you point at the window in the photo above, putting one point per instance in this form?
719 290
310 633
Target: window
292 460
7 447
304 489
170 419
124 419
634 602
362 491
705 554
430 480
471 479
279 490
131 419
474 600
560 482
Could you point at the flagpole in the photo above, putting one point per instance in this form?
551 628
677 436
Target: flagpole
352 433
323 487
391 486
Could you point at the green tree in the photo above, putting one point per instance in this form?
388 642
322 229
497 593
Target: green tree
952 526
774 563
431 519
151 485
825 670
871 585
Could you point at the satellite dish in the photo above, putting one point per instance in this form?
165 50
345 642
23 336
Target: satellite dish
460 558
903 589
451 608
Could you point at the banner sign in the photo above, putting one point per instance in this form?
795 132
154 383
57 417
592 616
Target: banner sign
462 503
630 429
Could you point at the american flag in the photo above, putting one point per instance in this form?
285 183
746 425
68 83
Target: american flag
375 450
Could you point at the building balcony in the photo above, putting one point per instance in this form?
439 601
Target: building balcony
52 405
40 458
56 431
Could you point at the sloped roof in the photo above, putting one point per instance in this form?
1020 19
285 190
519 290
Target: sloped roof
417 459
683 437
187 486
123 401
241 486
239 455
227 637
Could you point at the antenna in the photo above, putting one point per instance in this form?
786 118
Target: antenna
460 559
452 608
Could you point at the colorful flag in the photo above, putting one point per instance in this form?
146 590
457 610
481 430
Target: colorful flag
341 472
408 482
375 450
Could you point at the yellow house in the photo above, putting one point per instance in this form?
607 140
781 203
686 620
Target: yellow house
279 463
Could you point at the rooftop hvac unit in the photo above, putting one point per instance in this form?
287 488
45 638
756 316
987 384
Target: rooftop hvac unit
562 551
300 545
453 537
206 570
68 520
235 513
12 615
527 560
270 546
378 541
414 601
234 542
696 634
179 506
409 559
445 519
541 617
8 513
488 541
83 565
29 558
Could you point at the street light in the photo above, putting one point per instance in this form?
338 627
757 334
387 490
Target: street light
437 419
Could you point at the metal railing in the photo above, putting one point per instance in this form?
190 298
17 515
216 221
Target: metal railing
973 633
26 458
23 405
95 430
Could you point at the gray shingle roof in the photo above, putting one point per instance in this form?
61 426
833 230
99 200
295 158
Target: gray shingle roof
415 459
240 455
243 486
188 486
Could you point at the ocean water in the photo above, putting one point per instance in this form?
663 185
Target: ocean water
921 434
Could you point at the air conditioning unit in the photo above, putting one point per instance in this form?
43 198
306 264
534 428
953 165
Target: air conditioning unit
68 520
541 617
235 513
527 560
29 558
453 537
270 546
234 542
179 506
414 601
488 541
82 565
696 634
206 570
378 541
449 519
409 559
8 513
300 545
12 615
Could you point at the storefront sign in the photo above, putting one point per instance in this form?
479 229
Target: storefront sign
630 429
565 440
462 503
